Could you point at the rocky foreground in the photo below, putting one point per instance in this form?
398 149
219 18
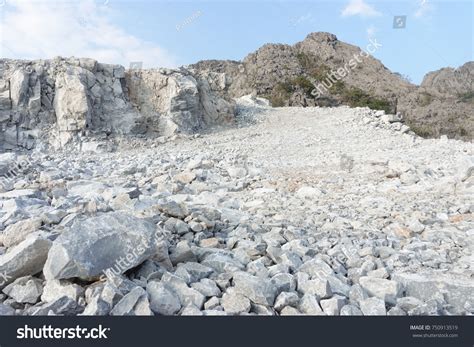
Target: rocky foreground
319 211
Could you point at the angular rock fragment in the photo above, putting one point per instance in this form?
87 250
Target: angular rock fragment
6 310
373 307
26 258
187 296
427 286
386 290
63 306
54 289
235 303
258 290
333 306
25 290
162 300
207 287
17 232
285 299
350 310
113 242
135 303
309 305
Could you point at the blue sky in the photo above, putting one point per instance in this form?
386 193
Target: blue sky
160 33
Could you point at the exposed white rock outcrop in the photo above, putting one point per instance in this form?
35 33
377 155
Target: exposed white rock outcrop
176 100
58 101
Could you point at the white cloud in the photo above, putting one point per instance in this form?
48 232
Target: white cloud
35 29
301 19
359 8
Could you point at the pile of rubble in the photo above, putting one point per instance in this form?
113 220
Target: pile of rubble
307 211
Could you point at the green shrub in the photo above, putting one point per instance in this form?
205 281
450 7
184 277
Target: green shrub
276 100
284 87
356 97
304 84
307 61
425 99
338 88
425 131
280 94
467 97
463 132
320 72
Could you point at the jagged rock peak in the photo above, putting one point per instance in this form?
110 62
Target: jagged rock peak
321 37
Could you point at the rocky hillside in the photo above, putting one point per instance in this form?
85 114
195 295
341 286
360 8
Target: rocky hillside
56 102
65 101
451 81
323 71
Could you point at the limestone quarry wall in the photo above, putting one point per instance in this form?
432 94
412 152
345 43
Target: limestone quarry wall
58 101
185 101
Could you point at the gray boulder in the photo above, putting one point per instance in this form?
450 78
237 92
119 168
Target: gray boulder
235 303
25 290
54 289
259 290
17 232
425 286
309 305
384 289
26 258
6 310
113 242
64 306
373 307
187 296
162 300
134 303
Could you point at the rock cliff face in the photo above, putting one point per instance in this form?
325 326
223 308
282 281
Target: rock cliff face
176 100
344 74
451 81
57 101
